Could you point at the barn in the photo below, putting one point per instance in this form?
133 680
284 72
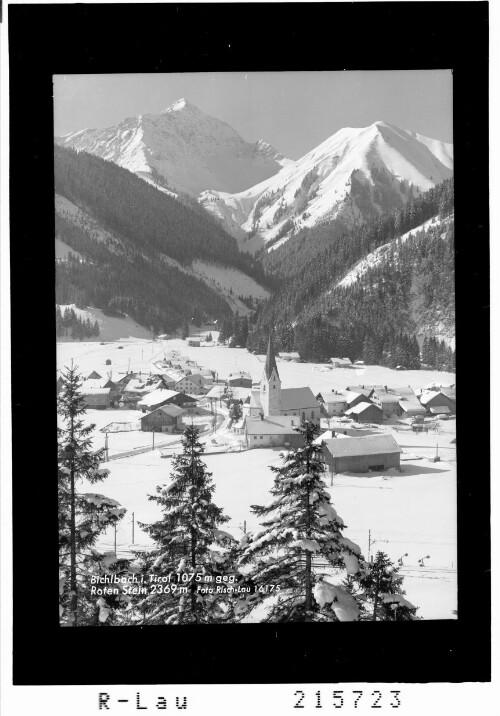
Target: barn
165 419
365 413
440 399
374 452
160 397
97 398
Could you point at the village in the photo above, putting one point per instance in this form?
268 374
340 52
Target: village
380 430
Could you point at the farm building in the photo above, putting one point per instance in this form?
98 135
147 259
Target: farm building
240 379
374 452
301 402
341 362
165 419
365 413
438 399
194 342
161 397
273 431
354 398
97 398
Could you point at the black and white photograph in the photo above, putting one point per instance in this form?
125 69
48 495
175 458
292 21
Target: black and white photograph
240 309
255 315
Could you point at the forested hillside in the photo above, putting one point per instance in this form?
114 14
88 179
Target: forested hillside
377 316
135 244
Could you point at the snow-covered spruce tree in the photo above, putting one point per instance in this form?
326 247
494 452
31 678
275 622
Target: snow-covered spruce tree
297 526
82 516
189 543
377 588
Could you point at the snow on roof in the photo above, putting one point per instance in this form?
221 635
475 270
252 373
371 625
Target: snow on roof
351 395
388 397
335 398
94 383
429 395
298 398
273 425
365 390
440 409
157 396
360 408
347 361
97 391
255 399
450 393
173 410
240 393
411 403
369 445
137 385
240 374
216 391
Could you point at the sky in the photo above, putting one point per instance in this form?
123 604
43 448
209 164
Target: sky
294 111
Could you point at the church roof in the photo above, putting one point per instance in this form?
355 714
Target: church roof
270 360
297 398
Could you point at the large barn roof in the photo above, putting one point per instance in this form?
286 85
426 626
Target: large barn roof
355 447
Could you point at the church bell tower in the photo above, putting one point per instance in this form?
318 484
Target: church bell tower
270 385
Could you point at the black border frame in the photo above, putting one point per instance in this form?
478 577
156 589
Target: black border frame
65 39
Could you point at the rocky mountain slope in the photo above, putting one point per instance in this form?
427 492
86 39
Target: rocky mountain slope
353 176
182 149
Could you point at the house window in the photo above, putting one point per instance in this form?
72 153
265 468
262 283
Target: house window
261 437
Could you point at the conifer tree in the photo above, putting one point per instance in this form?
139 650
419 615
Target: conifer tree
377 588
298 525
188 542
82 516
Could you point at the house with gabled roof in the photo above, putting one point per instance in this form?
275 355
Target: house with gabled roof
353 454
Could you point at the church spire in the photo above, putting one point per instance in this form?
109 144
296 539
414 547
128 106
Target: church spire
270 360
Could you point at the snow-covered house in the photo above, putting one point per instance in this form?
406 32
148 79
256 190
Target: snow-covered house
192 384
373 452
365 412
97 398
334 404
161 397
388 400
409 405
438 399
165 419
240 379
273 431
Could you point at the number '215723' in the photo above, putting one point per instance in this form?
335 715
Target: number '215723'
370 699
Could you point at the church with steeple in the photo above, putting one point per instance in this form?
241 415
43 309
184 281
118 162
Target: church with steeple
274 411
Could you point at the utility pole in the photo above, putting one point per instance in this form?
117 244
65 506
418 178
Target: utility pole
115 539
133 525
244 526
369 543
153 439
106 448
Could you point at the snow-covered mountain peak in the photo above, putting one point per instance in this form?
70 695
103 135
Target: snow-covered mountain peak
179 105
354 175
183 149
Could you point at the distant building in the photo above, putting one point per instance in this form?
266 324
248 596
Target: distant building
93 375
241 379
365 413
192 384
165 419
374 452
194 342
341 362
365 390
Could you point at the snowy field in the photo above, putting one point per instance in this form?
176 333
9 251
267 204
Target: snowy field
411 512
